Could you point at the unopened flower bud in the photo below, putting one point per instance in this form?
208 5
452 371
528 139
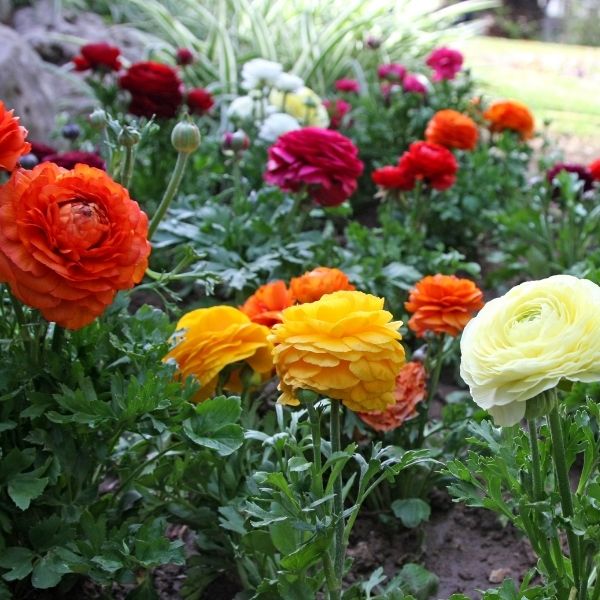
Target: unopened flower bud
184 57
129 136
186 137
98 119
71 131
28 161
236 141
373 42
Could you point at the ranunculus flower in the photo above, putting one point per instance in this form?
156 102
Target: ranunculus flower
394 178
155 89
347 85
265 305
68 160
258 73
442 304
431 163
313 285
321 160
241 108
343 346
445 62
527 341
209 339
184 57
409 391
199 101
276 125
511 115
452 129
100 56
580 171
12 139
594 169
40 150
303 104
69 240
394 72
286 82
415 84
337 110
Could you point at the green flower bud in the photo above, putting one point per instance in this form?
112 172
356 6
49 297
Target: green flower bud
307 396
185 137
98 119
129 136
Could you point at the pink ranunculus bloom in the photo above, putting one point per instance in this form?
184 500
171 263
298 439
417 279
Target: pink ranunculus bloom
391 72
445 62
414 84
322 161
347 85
337 110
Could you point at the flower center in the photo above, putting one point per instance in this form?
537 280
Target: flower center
83 224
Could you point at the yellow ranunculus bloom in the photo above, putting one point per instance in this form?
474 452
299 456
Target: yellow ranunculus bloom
343 346
525 342
209 339
304 105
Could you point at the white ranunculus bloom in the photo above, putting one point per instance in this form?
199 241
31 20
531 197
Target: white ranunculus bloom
525 342
241 108
275 125
258 72
287 82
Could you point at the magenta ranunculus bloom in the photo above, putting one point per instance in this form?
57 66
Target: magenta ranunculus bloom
347 85
322 161
391 72
445 62
582 172
68 160
414 83
337 110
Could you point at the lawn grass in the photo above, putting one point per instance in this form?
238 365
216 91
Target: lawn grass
558 82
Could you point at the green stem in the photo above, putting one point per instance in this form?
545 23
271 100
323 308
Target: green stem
338 501
432 389
127 166
564 488
535 461
170 192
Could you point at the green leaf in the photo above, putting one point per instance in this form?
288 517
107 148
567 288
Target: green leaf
48 572
309 553
18 560
418 581
225 440
25 487
411 511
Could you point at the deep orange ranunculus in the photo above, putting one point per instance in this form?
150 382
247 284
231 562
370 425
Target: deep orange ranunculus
409 391
442 304
265 305
12 139
511 115
69 240
452 129
314 284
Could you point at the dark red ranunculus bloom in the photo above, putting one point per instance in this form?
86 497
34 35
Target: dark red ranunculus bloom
431 163
199 101
68 160
102 56
582 172
155 89
322 161
337 110
184 57
394 178
40 151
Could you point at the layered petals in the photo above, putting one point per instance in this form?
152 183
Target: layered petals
313 285
12 139
265 305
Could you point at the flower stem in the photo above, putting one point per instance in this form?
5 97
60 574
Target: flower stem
433 385
535 461
127 166
170 192
564 488
338 501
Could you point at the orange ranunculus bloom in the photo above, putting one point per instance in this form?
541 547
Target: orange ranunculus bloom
409 391
209 339
511 115
265 305
442 304
69 240
12 139
318 282
452 129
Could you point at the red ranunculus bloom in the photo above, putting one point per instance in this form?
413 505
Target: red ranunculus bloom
184 57
101 56
337 110
347 85
155 89
394 178
445 62
431 163
323 161
68 160
199 101
594 169
81 64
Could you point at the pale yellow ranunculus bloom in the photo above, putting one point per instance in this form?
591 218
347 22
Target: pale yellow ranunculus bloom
304 105
526 341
